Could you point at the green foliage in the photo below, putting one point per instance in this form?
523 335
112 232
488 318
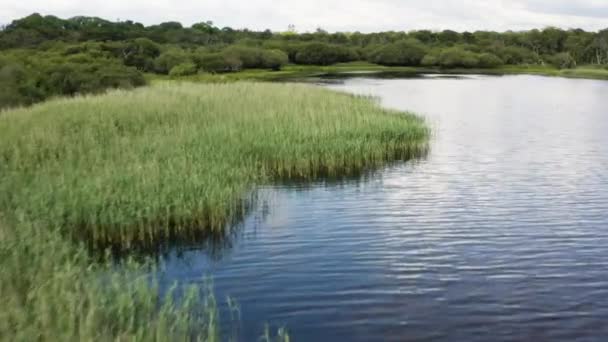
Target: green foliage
27 77
323 54
404 53
116 170
253 57
562 61
218 62
431 59
516 55
141 53
489 60
53 291
274 59
183 69
65 55
167 60
457 57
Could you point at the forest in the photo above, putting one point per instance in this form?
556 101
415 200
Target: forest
46 56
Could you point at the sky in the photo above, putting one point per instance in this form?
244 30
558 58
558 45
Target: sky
332 15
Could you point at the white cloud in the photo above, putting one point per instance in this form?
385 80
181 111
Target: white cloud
334 15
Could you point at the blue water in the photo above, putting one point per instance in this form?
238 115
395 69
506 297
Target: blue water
499 234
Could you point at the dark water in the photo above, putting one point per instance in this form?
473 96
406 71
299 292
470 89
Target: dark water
501 233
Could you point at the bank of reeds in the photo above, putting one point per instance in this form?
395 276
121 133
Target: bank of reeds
179 160
136 168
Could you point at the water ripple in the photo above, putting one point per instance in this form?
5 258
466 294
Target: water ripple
500 234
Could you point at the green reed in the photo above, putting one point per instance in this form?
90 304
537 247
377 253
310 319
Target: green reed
177 160
137 168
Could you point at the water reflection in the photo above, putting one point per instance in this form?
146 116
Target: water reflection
498 234
263 209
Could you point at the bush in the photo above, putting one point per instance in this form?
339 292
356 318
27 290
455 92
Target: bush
458 57
404 53
218 62
562 61
516 55
430 60
252 57
13 80
140 53
324 54
489 60
28 77
169 59
73 78
183 69
274 59
291 49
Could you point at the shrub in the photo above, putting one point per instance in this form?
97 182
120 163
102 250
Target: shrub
28 77
183 69
253 57
516 55
218 62
324 54
13 77
274 59
169 59
489 60
562 61
430 60
458 57
140 53
406 53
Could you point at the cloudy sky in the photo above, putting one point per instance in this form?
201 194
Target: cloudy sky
333 15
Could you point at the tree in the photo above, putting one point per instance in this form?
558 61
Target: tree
489 60
324 54
516 55
448 37
407 53
274 59
600 47
169 59
140 53
183 69
458 57
432 59
563 60
218 62
206 27
577 44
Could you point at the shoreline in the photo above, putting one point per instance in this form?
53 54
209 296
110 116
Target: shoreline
297 72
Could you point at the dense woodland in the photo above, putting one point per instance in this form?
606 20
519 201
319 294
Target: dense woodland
44 56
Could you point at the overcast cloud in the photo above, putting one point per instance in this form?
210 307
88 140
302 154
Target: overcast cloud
333 15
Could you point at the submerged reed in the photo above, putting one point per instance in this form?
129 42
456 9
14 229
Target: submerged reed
179 160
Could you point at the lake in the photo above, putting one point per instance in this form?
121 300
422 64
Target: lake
499 233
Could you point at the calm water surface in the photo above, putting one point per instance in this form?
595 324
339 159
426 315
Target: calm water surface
500 233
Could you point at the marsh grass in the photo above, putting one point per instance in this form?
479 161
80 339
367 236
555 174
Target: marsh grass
51 291
181 160
140 168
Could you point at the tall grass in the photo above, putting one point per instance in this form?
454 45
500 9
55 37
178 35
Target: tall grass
179 160
137 168
51 291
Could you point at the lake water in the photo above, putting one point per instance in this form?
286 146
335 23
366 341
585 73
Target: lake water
500 233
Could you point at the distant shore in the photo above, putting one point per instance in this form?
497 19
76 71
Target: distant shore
294 72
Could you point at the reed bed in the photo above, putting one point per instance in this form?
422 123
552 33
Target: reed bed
137 168
170 161
52 291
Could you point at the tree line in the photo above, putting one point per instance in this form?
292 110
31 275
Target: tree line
43 56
